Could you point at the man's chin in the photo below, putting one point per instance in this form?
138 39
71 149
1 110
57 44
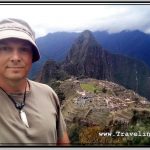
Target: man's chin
16 77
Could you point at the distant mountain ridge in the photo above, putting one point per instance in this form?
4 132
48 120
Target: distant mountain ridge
131 43
56 45
134 44
52 46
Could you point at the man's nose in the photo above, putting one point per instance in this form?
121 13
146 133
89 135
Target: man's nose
15 57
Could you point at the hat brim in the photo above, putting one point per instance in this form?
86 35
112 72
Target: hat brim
21 35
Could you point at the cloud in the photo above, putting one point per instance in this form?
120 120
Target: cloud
51 18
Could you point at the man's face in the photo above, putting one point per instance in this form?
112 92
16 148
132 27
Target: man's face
15 59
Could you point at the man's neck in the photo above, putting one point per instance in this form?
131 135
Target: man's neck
13 86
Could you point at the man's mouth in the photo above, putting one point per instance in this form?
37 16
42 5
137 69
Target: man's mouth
15 67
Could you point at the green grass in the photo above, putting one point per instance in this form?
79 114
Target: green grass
88 87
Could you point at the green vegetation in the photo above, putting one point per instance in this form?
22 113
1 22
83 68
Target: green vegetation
140 125
93 88
88 87
55 85
104 90
74 131
141 129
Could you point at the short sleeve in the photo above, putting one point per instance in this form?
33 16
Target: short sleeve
60 123
61 126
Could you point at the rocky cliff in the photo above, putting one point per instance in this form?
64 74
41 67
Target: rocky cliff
50 72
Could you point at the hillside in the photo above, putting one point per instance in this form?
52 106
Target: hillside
91 103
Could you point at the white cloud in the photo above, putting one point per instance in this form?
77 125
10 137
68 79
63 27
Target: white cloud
52 18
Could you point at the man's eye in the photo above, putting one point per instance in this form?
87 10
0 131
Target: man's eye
5 48
25 49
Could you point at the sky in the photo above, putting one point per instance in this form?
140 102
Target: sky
49 18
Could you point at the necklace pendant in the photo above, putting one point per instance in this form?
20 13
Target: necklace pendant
24 118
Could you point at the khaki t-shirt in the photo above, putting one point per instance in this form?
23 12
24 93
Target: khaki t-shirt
42 110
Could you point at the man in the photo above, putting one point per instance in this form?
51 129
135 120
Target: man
29 111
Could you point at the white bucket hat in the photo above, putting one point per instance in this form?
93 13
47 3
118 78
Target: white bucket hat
17 28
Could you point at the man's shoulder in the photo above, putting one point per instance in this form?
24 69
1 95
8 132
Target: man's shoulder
38 85
44 89
41 88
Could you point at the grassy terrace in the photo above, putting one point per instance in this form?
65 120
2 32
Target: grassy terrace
88 87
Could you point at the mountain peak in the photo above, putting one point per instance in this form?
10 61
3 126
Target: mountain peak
83 46
86 37
86 33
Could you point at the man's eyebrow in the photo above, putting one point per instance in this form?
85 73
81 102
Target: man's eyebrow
27 45
3 44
